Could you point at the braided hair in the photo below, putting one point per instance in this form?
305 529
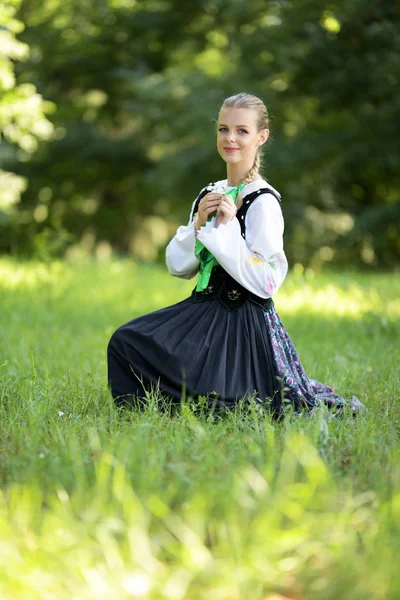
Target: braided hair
244 100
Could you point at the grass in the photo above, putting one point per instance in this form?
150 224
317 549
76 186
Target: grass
99 504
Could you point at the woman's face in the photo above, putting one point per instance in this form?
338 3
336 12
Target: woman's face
238 137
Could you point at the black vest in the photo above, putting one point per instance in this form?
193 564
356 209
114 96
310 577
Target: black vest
221 285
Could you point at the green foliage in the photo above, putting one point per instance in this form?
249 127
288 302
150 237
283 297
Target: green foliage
347 143
136 86
100 504
22 109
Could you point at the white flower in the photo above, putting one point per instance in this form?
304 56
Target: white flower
60 413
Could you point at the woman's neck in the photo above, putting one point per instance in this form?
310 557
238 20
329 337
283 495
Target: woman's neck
236 173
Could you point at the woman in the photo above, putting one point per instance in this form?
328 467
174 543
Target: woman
226 341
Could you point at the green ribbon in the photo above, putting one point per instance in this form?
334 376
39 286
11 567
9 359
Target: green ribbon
207 260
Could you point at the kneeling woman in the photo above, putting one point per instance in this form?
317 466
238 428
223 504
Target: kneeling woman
226 341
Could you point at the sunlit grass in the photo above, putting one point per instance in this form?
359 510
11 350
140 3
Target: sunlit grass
95 504
349 294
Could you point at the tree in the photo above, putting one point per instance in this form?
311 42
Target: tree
136 86
22 112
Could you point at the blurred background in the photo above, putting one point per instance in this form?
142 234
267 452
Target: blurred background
107 122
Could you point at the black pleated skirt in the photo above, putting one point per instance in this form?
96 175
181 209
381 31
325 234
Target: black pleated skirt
200 348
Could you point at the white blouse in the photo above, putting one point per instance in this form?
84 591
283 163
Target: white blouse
258 262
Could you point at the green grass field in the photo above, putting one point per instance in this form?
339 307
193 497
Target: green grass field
96 504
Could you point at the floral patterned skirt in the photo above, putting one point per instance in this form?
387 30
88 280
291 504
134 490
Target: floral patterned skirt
298 390
202 350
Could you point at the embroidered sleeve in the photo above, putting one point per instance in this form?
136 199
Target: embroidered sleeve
259 262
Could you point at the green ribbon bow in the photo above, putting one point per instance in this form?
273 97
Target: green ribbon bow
207 260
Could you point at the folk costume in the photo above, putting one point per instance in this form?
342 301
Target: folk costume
226 341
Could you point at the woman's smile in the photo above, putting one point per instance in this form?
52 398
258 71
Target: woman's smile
238 140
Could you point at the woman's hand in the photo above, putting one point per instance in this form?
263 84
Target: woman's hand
207 205
226 210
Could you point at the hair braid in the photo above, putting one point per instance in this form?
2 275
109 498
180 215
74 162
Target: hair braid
254 169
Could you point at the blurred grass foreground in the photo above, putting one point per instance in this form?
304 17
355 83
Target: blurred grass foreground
96 504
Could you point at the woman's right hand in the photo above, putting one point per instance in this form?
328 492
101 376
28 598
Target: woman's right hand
207 205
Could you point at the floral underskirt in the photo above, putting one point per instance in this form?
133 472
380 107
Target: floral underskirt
300 392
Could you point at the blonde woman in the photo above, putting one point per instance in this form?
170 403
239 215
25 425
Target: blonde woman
226 341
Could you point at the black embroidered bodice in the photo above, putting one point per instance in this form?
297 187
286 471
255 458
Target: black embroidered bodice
221 285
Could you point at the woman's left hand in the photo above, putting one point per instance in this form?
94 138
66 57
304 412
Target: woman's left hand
226 210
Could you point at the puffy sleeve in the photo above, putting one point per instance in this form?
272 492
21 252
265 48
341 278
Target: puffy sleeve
180 257
259 262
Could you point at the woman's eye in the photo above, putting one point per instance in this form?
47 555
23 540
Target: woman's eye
243 130
222 129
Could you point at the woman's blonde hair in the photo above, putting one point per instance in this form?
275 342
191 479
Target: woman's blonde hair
244 100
